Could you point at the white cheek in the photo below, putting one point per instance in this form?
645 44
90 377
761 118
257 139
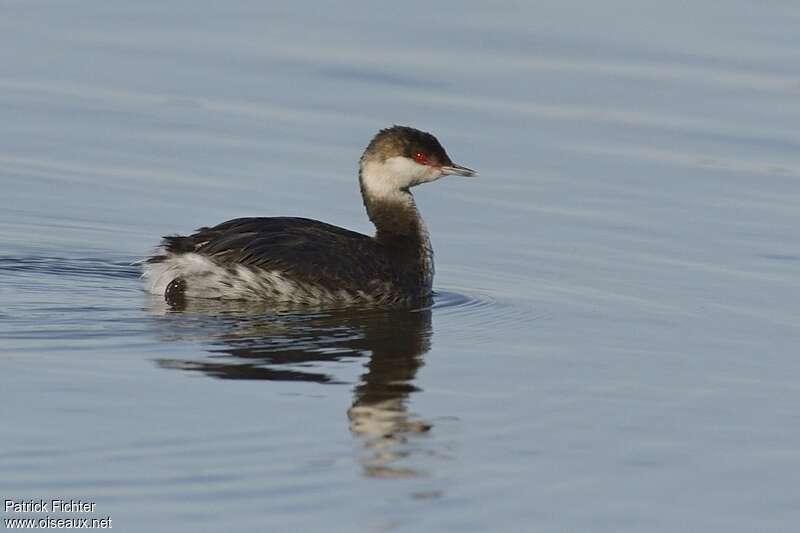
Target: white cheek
397 173
406 171
434 173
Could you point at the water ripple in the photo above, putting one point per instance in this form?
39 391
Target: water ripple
73 267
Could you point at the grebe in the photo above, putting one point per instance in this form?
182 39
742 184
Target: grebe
303 261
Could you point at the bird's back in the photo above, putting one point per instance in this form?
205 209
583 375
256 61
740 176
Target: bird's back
285 259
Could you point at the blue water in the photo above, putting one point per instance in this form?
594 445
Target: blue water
612 343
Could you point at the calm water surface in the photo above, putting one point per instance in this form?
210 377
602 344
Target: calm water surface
613 341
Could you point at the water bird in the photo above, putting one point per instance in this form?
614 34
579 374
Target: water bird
303 261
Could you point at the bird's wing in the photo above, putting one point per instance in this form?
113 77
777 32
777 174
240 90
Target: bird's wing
308 250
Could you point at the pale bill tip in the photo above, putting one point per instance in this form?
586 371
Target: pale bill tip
458 170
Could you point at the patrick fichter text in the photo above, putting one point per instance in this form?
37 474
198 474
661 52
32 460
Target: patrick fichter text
49 506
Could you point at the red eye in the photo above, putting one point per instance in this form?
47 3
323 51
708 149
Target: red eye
421 158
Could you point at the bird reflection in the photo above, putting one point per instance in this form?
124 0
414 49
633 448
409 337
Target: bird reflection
274 344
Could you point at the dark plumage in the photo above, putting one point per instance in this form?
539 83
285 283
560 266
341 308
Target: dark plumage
307 261
310 252
406 142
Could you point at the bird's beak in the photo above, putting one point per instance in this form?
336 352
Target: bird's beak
458 170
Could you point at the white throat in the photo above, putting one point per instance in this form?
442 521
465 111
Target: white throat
391 179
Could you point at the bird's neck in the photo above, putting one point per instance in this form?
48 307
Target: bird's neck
392 209
399 227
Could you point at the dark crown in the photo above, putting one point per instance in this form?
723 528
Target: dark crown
406 142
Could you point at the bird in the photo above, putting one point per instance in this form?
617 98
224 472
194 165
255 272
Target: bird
302 261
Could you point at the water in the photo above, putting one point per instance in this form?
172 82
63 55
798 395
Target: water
612 343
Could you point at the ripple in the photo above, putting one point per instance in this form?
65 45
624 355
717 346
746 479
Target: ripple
60 303
74 267
457 302
478 314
